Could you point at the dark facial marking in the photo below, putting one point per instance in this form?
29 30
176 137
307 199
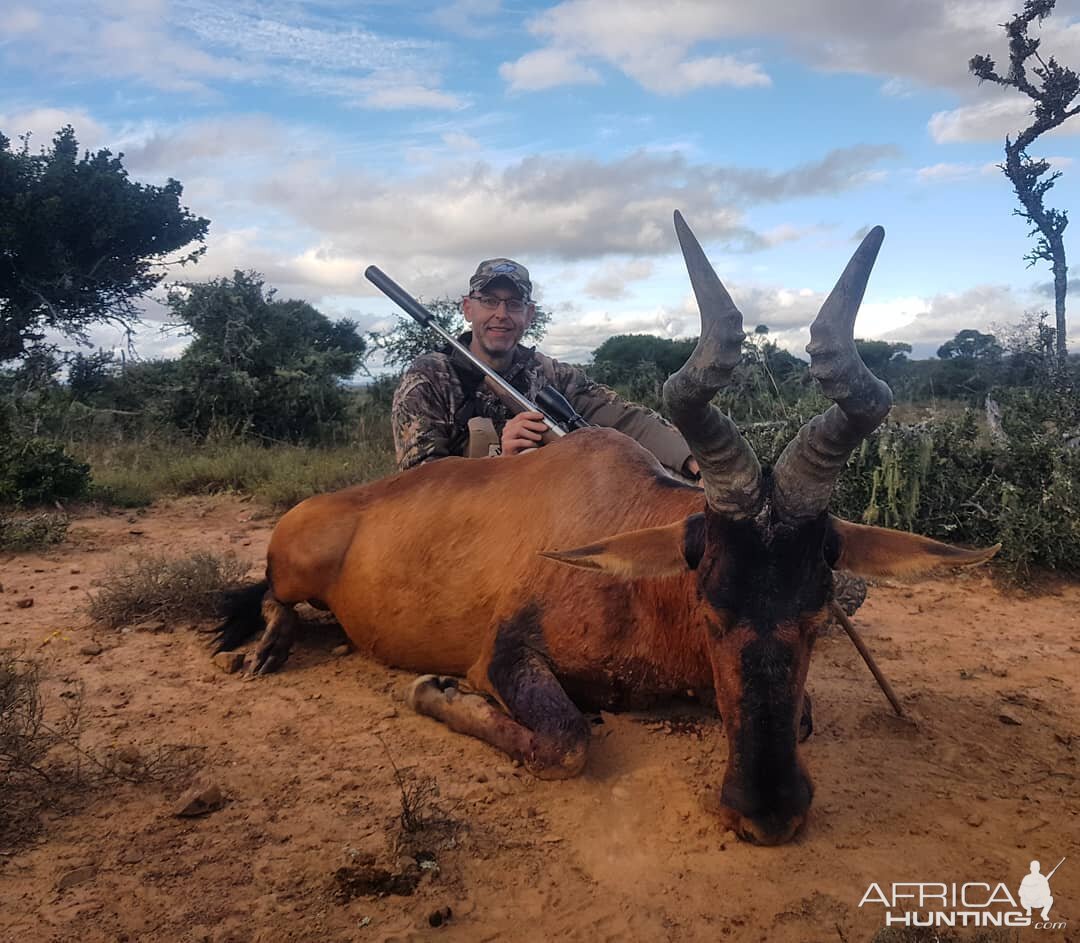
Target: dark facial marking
764 575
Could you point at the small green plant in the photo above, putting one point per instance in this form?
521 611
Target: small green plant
167 588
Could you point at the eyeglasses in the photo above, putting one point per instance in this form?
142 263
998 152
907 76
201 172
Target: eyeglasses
513 305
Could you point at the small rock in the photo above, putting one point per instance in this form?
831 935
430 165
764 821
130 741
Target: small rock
77 876
340 650
24 603
229 662
975 820
90 648
1007 717
503 787
201 799
129 856
389 714
439 917
620 792
75 569
129 754
150 625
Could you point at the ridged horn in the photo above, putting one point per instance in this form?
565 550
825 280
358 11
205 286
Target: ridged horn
730 471
807 470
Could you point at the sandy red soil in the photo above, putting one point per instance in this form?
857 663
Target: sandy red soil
625 852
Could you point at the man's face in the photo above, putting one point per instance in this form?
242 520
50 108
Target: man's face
497 329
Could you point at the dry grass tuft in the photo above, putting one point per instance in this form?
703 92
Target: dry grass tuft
168 588
32 531
26 740
43 762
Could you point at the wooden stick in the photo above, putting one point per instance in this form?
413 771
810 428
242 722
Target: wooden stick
849 627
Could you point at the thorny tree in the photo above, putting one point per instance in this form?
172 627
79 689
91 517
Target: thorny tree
1053 93
80 242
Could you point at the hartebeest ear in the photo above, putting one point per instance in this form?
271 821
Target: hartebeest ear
877 551
654 551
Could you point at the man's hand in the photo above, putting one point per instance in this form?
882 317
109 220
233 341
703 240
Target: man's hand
523 432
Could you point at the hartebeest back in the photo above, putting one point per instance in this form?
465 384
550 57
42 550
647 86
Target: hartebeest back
447 569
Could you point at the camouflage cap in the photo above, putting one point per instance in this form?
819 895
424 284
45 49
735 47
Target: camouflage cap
488 271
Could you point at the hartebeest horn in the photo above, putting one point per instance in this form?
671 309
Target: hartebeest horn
729 469
808 468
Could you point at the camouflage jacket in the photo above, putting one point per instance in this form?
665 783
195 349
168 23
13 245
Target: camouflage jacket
441 391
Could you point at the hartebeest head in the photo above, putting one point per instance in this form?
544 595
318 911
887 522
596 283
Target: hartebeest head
765 546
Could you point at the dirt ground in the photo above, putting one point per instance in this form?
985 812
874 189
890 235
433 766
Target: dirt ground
987 780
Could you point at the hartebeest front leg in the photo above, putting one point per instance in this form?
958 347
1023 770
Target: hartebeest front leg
547 733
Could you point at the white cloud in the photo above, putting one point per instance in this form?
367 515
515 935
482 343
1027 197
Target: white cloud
200 47
943 315
460 141
472 18
922 42
949 173
18 21
707 71
438 222
43 123
201 144
612 280
983 121
574 335
412 96
546 68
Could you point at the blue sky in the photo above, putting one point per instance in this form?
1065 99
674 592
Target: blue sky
320 138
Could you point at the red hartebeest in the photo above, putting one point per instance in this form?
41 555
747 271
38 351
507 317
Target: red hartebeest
447 568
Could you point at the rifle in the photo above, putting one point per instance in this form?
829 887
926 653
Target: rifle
558 414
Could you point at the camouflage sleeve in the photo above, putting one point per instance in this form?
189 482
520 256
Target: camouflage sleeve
604 407
418 416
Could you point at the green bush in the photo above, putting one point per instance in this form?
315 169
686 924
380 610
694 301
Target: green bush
36 471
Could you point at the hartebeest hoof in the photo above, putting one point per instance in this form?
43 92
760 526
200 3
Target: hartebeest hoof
428 690
277 639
